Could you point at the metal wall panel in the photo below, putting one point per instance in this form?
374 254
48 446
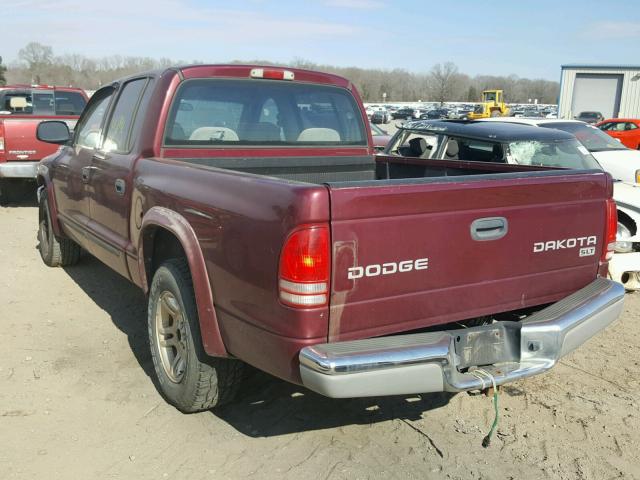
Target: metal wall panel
630 95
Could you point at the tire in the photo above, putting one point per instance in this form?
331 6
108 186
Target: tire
187 377
5 191
54 251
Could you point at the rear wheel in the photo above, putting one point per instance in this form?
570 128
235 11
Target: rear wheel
188 378
54 251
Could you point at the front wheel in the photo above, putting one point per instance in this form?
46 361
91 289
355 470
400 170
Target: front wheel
54 251
188 378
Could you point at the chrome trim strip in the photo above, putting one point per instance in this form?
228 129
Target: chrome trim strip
193 211
303 300
303 288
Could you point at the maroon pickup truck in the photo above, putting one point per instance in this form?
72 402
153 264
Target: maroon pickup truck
247 202
22 108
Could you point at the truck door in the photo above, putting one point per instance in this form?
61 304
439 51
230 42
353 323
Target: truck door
73 168
111 177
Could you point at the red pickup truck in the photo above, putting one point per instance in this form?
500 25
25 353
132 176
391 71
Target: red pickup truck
247 202
22 108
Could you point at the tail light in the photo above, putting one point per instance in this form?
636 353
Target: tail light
2 152
305 260
611 230
272 74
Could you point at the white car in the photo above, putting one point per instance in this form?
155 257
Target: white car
623 164
626 268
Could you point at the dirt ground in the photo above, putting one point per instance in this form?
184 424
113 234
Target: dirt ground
77 401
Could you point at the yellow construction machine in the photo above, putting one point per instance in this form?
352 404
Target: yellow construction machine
492 106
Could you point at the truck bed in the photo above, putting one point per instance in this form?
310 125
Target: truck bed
325 169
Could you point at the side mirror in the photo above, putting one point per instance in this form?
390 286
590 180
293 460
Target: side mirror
53 131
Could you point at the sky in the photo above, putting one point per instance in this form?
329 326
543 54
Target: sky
528 39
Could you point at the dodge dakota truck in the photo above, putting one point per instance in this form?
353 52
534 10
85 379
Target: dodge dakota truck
22 108
249 204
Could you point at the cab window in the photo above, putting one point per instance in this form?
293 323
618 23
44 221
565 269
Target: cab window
41 102
228 112
117 138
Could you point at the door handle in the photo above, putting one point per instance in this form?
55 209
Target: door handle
490 228
86 173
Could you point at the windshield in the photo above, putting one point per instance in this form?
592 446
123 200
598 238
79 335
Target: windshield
591 137
41 102
588 115
261 112
564 154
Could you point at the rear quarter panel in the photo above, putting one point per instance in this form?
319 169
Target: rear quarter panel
241 222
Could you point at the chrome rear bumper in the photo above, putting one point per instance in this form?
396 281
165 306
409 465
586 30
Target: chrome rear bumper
18 169
442 361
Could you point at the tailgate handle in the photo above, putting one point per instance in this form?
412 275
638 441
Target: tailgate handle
491 228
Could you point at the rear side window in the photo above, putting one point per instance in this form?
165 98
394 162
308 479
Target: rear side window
123 117
415 144
473 150
214 112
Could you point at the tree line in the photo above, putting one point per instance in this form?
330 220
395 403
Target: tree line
38 64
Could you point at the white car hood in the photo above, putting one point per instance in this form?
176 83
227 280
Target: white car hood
627 193
621 164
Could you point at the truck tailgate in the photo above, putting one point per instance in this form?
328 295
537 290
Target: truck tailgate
20 143
416 253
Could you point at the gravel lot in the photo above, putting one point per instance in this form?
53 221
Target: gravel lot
77 401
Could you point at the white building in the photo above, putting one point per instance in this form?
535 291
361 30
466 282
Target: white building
613 90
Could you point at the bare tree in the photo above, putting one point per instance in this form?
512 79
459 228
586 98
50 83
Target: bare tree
3 70
442 81
37 57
